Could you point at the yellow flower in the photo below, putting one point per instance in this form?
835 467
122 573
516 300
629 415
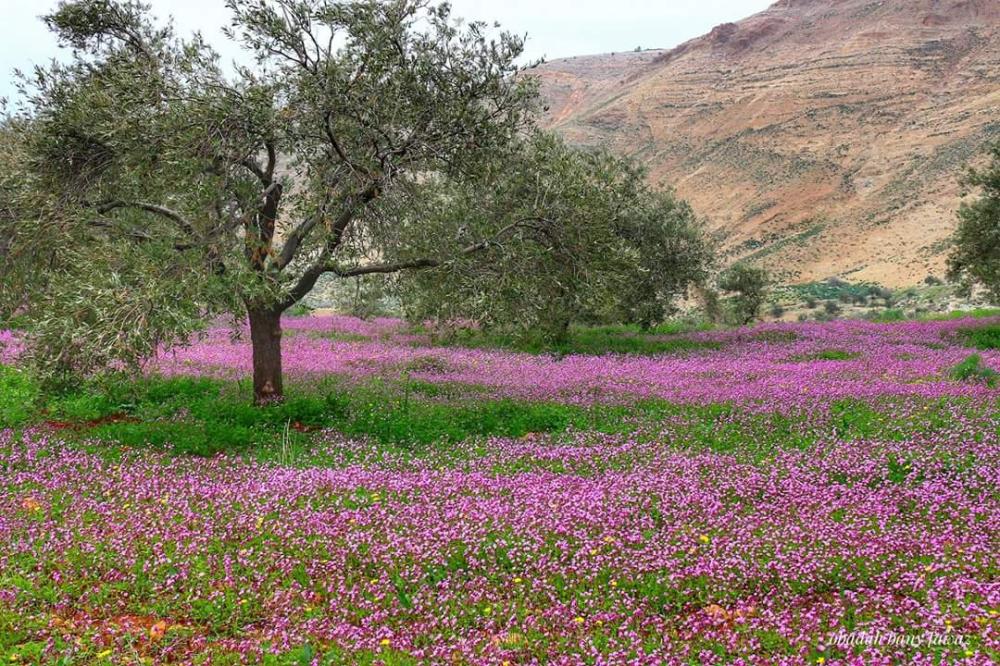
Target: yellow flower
517 580
578 620
384 642
487 610
104 654
994 613
969 653
821 660
608 539
704 538
593 551
614 583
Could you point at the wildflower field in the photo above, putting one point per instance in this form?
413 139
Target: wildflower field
782 494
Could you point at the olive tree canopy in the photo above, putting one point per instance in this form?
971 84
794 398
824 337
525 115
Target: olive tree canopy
146 188
577 236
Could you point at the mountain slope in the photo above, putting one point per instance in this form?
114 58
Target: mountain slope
820 137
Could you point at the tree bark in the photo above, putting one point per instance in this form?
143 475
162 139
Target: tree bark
265 337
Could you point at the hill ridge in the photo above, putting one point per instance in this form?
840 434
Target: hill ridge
820 138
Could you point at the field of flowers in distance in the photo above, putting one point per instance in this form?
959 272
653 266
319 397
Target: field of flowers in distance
748 496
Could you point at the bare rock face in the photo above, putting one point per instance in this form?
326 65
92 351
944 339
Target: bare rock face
821 137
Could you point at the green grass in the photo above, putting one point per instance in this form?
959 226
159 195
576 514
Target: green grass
975 313
595 340
887 316
981 337
204 416
828 355
412 419
972 369
18 396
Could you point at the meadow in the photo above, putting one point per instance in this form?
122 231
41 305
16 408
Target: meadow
811 493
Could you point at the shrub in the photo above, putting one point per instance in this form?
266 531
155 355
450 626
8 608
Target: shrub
981 337
972 369
18 394
749 285
831 308
887 316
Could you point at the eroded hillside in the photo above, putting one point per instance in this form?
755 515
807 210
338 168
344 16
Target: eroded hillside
821 137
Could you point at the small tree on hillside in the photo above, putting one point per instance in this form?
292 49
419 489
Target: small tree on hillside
748 288
583 238
976 254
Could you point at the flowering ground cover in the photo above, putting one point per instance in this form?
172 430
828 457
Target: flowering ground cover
790 494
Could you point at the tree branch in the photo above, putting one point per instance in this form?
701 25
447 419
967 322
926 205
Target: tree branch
308 278
414 264
156 209
138 236
396 267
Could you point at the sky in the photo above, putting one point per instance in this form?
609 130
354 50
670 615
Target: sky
554 28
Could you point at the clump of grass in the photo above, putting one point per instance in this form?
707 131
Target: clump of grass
594 340
972 369
887 316
829 355
981 337
18 394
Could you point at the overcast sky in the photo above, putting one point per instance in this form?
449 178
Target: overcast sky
555 28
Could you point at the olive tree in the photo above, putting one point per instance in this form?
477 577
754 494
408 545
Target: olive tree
152 188
747 287
576 235
975 257
146 187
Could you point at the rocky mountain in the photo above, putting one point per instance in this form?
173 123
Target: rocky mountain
819 138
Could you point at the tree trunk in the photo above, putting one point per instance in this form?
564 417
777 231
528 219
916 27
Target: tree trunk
265 336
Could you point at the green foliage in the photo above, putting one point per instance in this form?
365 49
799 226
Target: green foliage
591 340
972 369
976 254
981 337
18 394
748 287
887 316
141 182
205 417
582 238
829 355
837 289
